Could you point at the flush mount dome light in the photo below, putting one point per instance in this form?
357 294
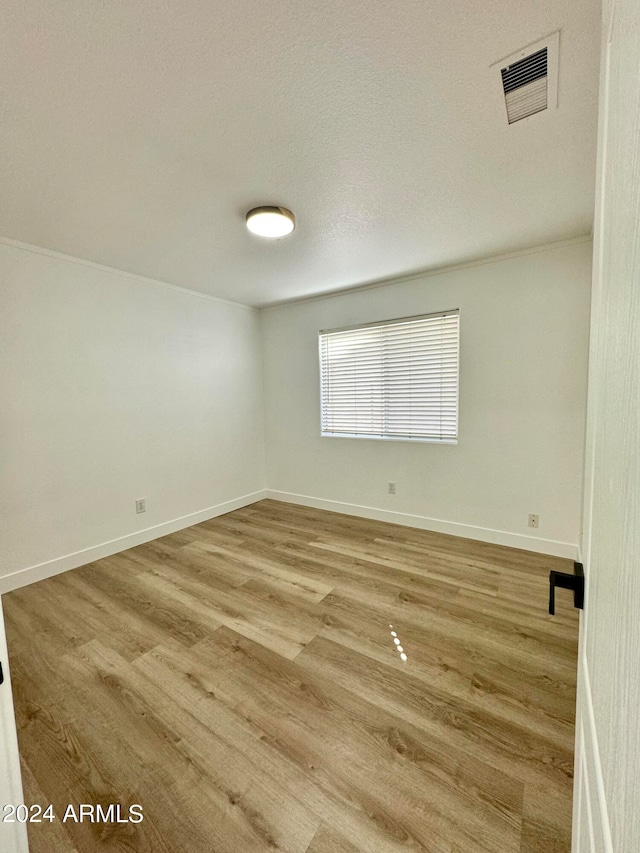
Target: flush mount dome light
270 221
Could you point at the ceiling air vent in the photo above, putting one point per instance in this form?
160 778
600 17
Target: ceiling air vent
530 78
525 86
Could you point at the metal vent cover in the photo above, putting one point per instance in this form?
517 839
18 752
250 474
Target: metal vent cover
525 85
529 79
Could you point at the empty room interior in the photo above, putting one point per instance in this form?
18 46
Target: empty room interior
320 426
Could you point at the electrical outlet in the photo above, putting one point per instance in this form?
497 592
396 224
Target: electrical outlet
141 505
392 488
534 520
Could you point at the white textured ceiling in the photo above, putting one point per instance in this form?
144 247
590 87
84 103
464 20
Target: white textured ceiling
136 134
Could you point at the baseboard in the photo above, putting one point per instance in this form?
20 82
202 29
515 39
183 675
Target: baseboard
592 810
31 574
454 528
106 549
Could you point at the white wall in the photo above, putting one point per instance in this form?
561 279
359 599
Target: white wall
607 802
115 388
524 343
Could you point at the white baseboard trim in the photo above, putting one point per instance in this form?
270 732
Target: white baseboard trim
589 778
106 549
31 574
454 528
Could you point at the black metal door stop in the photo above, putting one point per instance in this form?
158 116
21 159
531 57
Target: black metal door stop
567 581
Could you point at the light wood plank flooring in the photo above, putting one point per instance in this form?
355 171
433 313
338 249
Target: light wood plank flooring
240 681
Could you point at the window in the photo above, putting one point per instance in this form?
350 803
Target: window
393 380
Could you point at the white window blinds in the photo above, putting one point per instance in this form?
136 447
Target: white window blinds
396 380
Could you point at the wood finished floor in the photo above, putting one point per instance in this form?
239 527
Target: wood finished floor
239 680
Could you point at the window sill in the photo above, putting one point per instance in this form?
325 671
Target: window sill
389 438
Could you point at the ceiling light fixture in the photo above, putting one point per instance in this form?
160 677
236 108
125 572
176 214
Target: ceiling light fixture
270 222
